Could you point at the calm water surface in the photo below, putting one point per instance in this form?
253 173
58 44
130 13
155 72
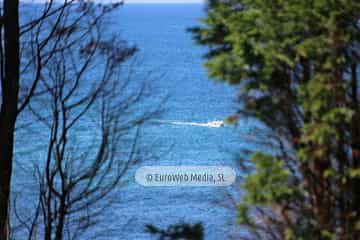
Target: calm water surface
167 50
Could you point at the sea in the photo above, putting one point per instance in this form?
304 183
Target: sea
173 65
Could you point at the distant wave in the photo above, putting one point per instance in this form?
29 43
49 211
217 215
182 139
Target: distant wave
211 124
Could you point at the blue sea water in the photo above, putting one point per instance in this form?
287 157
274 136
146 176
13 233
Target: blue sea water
166 47
172 64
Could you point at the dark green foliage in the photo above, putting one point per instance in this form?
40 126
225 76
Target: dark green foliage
179 231
296 62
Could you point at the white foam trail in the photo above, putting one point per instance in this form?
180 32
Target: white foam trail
212 124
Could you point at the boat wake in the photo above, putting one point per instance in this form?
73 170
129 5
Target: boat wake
212 124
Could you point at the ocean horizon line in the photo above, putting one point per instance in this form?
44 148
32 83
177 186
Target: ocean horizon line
163 3
200 2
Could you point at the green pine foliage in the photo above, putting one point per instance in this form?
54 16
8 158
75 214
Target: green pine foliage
296 64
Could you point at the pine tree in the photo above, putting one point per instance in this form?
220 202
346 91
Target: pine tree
296 64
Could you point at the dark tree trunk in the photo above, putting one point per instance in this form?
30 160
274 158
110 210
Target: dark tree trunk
60 226
8 111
